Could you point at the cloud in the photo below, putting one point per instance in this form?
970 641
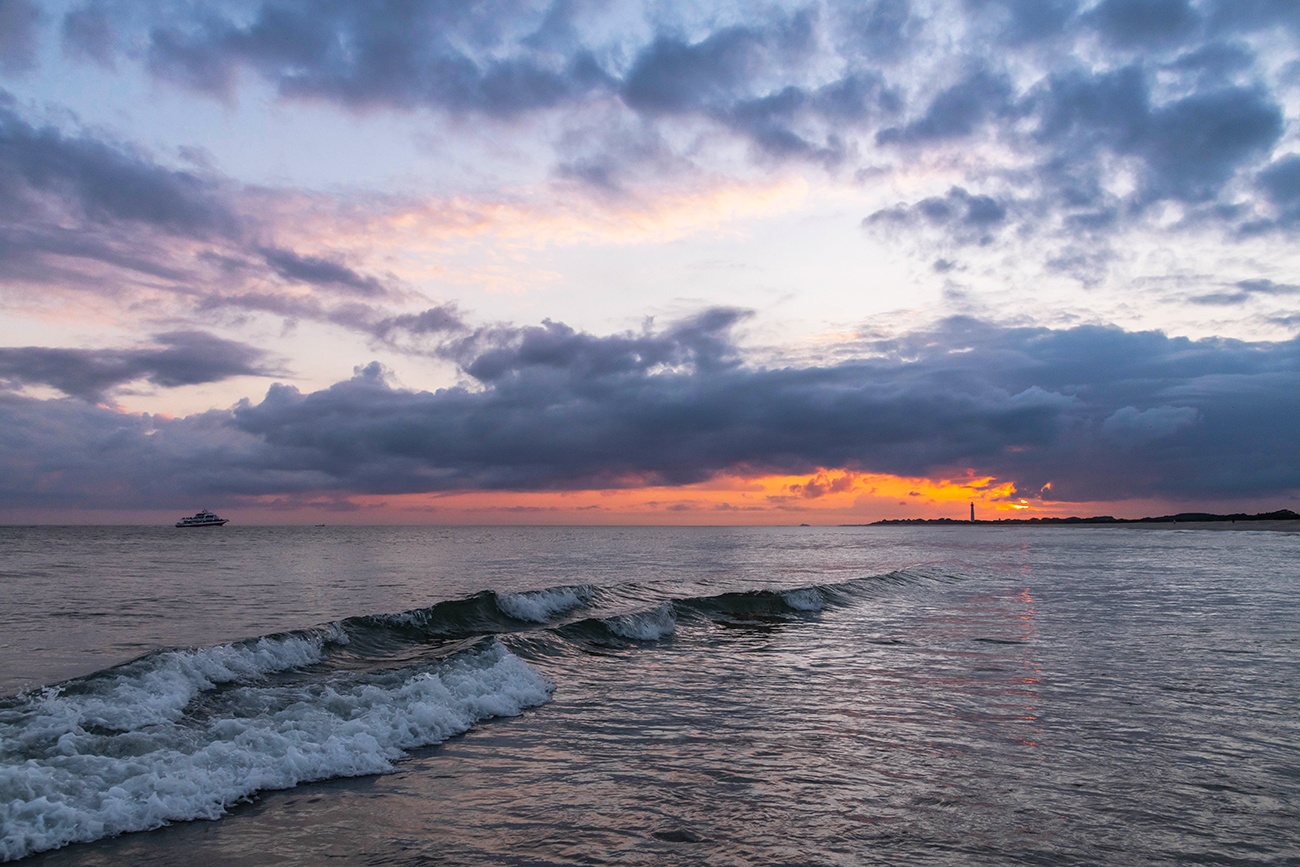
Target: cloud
967 218
181 358
320 271
957 111
882 30
1194 145
19 35
1057 99
1186 149
82 214
1131 426
1254 15
395 55
1143 23
1280 183
47 173
1028 21
1097 412
88 33
434 320
1244 290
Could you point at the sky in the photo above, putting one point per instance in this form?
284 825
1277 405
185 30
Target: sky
582 262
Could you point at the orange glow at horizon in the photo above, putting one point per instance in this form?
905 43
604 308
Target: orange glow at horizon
827 496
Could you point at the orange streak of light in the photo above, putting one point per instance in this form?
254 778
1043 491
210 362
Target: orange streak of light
826 496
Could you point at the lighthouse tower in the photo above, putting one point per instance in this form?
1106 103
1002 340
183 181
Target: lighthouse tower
972 513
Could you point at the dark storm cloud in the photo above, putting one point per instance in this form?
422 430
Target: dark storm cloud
182 358
1097 412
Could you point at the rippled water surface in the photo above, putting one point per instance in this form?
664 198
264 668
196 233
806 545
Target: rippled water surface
950 695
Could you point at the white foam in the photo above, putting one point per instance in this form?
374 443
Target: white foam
807 599
157 688
645 625
539 606
87 785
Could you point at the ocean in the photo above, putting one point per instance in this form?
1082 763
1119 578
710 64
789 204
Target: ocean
854 695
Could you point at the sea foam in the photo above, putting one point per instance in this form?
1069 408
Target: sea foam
539 606
89 783
645 625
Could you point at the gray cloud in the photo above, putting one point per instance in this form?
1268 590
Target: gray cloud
85 214
19 35
443 319
397 54
1243 290
181 358
968 218
1189 148
88 34
1173 89
882 30
957 111
1248 15
319 271
1280 184
1143 23
1098 412
42 169
1028 21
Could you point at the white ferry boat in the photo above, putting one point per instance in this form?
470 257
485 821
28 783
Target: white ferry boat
201 519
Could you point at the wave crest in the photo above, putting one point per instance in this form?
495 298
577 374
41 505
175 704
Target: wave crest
89 784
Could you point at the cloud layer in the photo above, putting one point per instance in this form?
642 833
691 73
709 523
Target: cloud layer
1047 142
1056 130
1087 413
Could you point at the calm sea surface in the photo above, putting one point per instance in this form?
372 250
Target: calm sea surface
940 695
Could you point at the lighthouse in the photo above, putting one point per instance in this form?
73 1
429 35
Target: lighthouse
972 513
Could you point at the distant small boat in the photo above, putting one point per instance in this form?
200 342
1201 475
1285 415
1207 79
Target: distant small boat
201 519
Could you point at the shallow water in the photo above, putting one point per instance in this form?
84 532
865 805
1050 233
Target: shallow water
827 696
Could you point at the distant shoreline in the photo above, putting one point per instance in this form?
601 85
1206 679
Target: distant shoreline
1282 519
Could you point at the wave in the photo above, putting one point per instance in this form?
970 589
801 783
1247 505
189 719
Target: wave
540 606
185 734
64 782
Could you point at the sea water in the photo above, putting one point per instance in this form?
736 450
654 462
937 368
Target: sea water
888 695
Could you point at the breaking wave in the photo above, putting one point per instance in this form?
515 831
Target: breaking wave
187 733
